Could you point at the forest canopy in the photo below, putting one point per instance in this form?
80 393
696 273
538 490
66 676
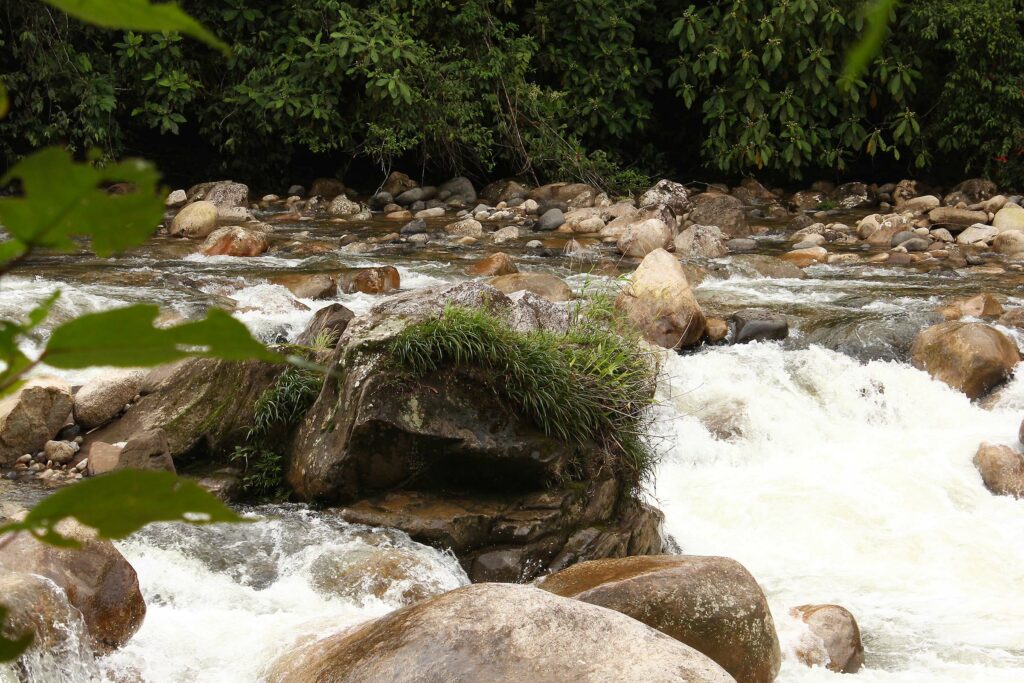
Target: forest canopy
611 91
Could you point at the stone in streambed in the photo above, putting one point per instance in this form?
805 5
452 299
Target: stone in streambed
980 306
147 450
97 580
494 265
1001 468
103 397
198 219
659 301
328 322
832 639
308 285
32 416
380 280
641 238
236 240
754 324
712 604
542 284
969 357
499 634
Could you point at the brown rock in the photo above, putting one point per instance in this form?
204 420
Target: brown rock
802 258
1001 468
494 265
32 416
712 604
96 578
330 321
328 188
38 607
833 638
380 280
722 211
541 284
236 240
716 331
660 302
146 451
641 238
969 357
308 285
980 306
499 634
397 183
946 215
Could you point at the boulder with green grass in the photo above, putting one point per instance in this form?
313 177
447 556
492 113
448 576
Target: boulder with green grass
486 424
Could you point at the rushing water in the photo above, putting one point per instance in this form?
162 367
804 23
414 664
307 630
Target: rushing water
829 467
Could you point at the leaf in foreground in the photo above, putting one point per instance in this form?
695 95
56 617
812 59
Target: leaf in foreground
12 649
119 504
861 54
62 199
126 337
139 15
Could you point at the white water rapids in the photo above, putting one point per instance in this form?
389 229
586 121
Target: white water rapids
831 479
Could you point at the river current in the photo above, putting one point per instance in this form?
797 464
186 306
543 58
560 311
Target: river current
827 465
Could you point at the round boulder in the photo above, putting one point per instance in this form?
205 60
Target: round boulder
643 237
498 633
969 357
198 219
236 240
100 399
659 301
1001 468
712 604
723 211
96 578
832 639
32 416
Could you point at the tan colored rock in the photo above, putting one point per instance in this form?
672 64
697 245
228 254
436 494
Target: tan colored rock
541 284
701 241
148 450
398 575
712 604
308 285
397 183
946 215
1001 468
236 240
575 195
977 234
496 264
716 330
832 639
467 227
342 206
802 258
722 211
1009 243
640 239
32 416
969 357
1010 217
660 302
498 633
980 306
921 204
198 219
103 397
95 577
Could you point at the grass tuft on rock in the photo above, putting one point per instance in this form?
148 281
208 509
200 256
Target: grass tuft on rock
592 385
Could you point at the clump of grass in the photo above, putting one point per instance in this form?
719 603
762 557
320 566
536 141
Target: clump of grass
826 205
593 385
277 412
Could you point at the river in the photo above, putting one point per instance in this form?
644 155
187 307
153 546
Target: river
829 467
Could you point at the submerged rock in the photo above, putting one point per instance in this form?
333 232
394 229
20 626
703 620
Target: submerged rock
755 324
712 604
832 639
499 634
969 357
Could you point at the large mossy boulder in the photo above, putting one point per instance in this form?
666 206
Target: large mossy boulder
712 604
969 357
444 438
499 634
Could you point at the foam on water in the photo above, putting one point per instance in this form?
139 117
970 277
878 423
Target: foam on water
223 602
834 481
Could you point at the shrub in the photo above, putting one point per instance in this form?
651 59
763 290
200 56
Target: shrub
592 386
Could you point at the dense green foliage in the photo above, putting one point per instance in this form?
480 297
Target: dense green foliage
543 89
592 385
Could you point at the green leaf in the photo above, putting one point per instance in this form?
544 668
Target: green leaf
5 104
139 15
858 58
117 505
63 198
126 337
12 649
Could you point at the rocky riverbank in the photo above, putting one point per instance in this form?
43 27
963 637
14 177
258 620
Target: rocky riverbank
459 460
